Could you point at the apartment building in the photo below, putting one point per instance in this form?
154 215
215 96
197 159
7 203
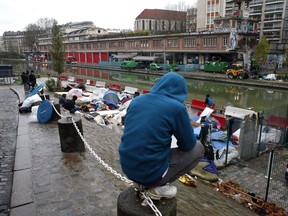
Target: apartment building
191 20
273 20
13 42
207 11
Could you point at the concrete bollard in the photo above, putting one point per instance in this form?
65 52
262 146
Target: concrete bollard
129 204
55 116
69 137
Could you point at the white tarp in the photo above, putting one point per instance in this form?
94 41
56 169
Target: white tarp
238 112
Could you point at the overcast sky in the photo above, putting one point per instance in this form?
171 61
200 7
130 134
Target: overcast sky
15 15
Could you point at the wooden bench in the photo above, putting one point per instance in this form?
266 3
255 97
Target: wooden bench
90 82
130 90
278 121
100 84
63 78
71 79
114 86
198 104
80 80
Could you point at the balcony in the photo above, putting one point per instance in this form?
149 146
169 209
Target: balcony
274 1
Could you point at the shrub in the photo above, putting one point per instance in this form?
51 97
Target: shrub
50 84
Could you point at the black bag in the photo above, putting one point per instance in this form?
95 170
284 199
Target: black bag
205 139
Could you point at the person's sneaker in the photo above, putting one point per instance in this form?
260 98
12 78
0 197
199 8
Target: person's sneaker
165 191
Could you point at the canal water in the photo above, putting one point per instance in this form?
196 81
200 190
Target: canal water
255 98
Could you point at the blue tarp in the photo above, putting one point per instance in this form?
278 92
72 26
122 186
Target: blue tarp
219 138
45 111
35 90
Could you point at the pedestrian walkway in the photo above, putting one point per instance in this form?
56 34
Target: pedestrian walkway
48 182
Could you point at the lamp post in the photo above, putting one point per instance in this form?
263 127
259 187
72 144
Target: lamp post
164 56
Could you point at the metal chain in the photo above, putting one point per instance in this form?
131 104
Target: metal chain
147 200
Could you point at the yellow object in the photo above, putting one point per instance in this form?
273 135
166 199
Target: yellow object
188 180
200 172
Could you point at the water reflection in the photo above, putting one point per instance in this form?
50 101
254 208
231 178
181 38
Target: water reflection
255 98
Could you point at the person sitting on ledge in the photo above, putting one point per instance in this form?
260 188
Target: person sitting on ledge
146 156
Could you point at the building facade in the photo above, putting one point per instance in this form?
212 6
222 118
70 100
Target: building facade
191 20
208 10
159 21
273 18
13 42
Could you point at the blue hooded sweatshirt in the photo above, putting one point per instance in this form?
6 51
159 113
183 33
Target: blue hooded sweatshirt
150 122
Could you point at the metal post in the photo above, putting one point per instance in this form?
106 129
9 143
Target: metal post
270 165
229 133
261 117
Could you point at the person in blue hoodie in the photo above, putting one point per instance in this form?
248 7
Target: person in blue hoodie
146 156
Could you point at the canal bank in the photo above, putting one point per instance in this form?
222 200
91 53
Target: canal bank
209 76
58 183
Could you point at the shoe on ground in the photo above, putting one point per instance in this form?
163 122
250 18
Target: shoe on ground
200 172
166 191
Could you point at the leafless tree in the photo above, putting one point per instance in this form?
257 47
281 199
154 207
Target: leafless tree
180 6
32 34
42 28
46 25
175 22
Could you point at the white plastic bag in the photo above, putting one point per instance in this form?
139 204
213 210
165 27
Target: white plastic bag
30 100
33 114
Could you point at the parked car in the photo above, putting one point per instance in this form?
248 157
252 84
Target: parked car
172 67
129 65
155 66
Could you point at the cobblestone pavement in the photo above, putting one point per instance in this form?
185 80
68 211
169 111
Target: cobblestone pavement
8 133
77 184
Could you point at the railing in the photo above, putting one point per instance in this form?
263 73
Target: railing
260 136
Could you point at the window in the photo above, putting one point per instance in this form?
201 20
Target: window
190 42
172 42
144 43
132 44
210 42
121 44
225 41
157 43
103 45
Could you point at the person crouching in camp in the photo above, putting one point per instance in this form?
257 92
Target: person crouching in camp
62 99
71 105
209 102
146 156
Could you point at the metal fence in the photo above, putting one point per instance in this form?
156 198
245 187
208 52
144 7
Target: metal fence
264 140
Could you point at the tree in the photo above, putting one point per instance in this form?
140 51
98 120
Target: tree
57 51
46 23
262 50
181 6
32 34
173 19
35 31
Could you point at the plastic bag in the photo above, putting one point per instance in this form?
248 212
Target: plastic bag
33 114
